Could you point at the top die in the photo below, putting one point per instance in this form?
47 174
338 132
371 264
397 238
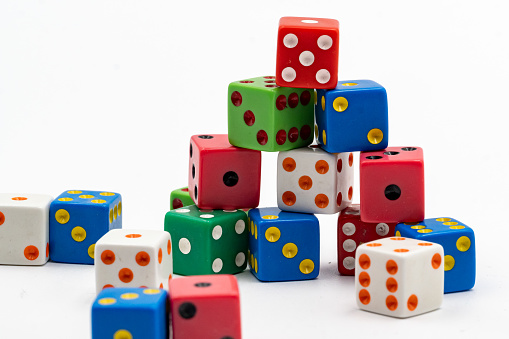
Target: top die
307 52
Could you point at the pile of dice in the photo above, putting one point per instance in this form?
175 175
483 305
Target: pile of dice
402 262
406 262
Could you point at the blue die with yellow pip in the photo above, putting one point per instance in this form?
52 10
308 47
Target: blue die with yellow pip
283 246
130 313
458 241
352 117
77 220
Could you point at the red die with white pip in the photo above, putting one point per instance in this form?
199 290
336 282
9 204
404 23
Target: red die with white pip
222 176
205 307
399 277
307 53
392 185
133 258
310 180
353 232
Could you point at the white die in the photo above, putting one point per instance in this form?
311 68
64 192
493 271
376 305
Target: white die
24 229
399 277
133 258
310 180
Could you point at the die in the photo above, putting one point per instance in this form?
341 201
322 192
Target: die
352 232
222 176
77 220
133 258
310 180
283 246
209 241
263 116
180 198
399 277
458 241
307 52
24 229
352 117
392 185
120 313
205 307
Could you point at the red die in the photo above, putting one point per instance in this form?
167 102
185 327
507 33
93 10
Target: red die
392 185
222 176
307 53
205 306
353 232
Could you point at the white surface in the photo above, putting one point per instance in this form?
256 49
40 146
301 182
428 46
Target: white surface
153 274
331 183
105 95
417 273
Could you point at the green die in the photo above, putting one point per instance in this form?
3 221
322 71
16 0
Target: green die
180 198
209 241
265 117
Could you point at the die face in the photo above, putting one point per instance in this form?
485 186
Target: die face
199 305
283 246
134 258
208 241
311 180
78 219
130 313
222 176
180 198
307 52
352 117
399 277
392 185
458 241
263 116
352 232
24 229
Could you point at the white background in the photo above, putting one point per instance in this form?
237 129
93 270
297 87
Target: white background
104 95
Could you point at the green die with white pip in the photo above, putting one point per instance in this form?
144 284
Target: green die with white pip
265 117
208 241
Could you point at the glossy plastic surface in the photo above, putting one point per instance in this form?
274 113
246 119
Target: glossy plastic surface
266 117
208 241
458 241
307 52
222 176
352 232
78 219
283 246
205 307
126 313
392 185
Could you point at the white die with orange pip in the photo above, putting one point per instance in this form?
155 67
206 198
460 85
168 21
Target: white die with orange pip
399 277
310 180
24 229
133 258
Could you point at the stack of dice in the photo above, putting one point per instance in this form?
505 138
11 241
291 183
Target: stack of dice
276 113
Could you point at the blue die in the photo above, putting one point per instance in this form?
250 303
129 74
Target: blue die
352 117
458 241
283 245
130 313
77 220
